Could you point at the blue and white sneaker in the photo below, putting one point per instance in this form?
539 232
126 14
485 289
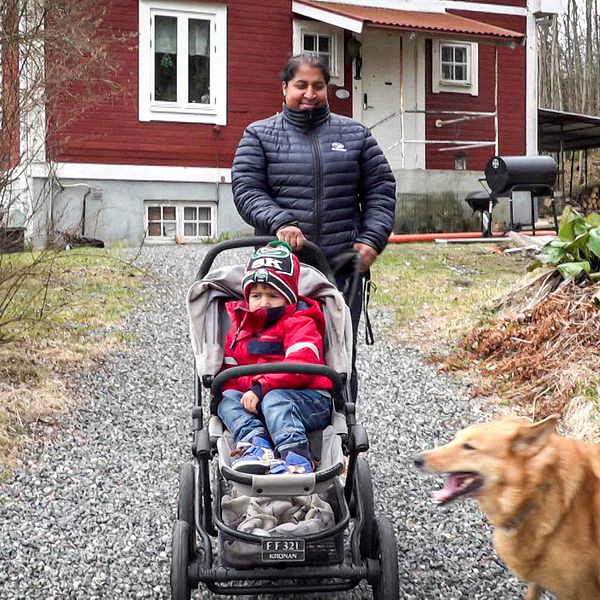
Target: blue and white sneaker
255 457
294 463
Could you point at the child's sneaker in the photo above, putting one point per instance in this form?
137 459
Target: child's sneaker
294 463
254 458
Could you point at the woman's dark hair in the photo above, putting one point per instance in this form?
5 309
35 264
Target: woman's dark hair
309 59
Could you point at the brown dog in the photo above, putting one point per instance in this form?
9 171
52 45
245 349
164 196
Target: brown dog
541 492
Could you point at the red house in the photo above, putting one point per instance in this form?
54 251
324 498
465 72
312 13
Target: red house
443 84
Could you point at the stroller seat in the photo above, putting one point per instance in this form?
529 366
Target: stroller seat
208 326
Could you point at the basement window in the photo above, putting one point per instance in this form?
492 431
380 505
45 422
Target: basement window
455 67
191 220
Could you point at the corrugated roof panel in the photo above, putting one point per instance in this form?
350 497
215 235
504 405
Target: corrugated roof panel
416 21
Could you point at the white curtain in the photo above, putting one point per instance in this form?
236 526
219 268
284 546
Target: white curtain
165 33
199 37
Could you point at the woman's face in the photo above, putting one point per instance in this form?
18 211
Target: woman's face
307 90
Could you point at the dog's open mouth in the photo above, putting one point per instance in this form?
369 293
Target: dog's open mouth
458 484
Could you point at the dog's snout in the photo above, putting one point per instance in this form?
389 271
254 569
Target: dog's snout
419 461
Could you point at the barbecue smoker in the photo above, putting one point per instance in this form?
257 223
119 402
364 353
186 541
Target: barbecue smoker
521 179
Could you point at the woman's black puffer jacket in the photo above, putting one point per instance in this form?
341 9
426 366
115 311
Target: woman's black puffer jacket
319 170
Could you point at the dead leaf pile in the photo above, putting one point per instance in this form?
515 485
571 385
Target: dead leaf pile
543 357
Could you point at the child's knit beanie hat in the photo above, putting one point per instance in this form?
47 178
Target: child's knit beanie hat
275 265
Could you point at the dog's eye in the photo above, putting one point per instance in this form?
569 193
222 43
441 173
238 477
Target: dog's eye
468 446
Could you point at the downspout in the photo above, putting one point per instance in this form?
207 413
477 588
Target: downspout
402 116
496 127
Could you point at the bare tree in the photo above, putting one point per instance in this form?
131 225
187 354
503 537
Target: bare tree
53 60
569 51
569 68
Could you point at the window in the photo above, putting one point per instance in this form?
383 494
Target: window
323 40
455 67
460 162
162 221
183 62
193 220
197 221
320 45
453 63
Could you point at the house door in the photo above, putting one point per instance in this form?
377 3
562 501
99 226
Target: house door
389 83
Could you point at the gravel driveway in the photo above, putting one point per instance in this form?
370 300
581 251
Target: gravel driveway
89 514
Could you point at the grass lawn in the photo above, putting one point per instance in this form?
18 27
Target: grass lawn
54 309
439 291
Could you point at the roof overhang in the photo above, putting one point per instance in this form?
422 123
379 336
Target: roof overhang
558 130
440 24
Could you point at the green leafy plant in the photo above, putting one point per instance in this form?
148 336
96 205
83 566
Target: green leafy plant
577 250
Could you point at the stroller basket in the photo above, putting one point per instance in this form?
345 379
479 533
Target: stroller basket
239 550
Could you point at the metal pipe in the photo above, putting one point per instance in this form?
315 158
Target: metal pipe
410 238
440 123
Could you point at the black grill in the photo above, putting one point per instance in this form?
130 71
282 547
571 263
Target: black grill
536 175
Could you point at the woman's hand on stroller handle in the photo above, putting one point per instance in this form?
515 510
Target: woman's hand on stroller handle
292 234
368 255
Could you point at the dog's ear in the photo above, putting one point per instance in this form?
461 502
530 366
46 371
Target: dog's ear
530 439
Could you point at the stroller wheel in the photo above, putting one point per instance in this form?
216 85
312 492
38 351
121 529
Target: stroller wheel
387 587
364 487
180 587
185 505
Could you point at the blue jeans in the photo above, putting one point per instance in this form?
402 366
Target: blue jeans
283 415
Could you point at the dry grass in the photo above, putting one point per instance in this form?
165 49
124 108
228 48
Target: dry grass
87 290
581 418
482 315
544 358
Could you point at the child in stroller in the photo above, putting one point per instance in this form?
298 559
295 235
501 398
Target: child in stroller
272 324
207 548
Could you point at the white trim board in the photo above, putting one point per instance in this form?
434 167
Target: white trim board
531 88
133 172
325 16
430 6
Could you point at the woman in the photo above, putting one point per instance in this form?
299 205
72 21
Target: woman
306 172
309 173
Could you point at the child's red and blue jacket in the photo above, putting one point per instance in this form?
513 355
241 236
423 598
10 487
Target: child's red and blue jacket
256 338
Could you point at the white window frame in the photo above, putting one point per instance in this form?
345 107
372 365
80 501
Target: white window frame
180 206
438 84
215 111
302 28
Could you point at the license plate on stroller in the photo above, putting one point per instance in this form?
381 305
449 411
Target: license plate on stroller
278 550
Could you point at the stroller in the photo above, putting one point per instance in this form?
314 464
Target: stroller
300 556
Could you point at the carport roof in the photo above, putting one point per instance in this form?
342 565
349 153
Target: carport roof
355 18
558 130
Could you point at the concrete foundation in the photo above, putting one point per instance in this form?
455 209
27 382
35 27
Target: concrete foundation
427 201
433 201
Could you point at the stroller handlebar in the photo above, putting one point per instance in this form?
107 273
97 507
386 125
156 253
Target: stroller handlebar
310 253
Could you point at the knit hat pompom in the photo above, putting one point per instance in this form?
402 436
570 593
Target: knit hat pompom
274 265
